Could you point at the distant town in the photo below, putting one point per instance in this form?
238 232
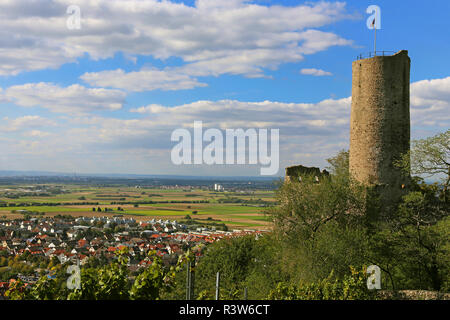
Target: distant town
85 221
30 248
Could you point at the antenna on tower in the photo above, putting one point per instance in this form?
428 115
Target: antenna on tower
375 41
374 22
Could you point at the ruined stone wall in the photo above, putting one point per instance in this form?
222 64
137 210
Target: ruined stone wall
295 172
380 120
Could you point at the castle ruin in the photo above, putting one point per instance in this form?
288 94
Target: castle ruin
379 126
380 122
295 173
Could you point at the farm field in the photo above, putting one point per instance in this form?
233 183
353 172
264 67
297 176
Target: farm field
235 209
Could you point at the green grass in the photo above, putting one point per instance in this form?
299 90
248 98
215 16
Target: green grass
229 213
228 209
153 213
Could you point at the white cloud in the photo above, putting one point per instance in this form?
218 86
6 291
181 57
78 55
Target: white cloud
309 132
240 61
430 103
317 129
315 72
291 118
36 134
26 122
144 80
213 37
71 99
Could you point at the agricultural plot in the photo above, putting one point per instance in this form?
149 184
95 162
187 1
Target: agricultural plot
235 209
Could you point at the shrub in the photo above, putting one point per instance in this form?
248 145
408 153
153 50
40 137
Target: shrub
351 287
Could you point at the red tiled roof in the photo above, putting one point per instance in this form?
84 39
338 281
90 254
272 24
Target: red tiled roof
82 243
160 253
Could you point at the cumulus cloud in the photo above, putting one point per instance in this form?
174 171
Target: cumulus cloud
36 134
315 72
249 62
145 140
309 132
314 129
71 99
292 118
431 91
318 129
430 102
26 122
212 36
144 80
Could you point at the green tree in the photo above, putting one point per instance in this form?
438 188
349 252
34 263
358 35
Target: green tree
411 246
322 227
429 157
339 164
243 262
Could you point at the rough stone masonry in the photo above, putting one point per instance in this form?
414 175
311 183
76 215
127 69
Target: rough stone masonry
380 122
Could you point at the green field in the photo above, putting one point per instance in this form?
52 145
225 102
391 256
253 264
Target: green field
80 201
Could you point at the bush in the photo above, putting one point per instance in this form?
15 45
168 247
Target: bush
351 287
109 282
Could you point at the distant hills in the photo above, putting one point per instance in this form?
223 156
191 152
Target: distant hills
12 173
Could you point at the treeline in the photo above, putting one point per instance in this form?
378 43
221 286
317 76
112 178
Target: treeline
156 202
19 195
29 213
115 195
46 204
210 222
245 201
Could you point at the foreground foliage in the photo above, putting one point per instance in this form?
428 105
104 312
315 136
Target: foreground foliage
109 282
352 287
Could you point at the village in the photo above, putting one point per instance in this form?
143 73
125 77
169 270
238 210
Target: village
31 247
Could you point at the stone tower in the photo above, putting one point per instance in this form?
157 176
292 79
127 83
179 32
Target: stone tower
380 122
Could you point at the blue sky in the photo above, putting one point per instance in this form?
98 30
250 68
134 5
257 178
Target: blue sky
105 98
